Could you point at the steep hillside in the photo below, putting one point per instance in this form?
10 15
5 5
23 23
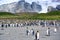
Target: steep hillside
20 6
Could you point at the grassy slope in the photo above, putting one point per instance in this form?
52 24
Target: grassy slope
6 15
49 16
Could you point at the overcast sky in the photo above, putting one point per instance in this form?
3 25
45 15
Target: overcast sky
9 1
30 1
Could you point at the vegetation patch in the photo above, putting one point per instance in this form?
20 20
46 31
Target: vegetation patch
54 15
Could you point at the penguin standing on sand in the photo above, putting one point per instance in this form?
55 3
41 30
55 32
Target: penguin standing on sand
55 29
48 31
37 35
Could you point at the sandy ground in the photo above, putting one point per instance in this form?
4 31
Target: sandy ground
19 33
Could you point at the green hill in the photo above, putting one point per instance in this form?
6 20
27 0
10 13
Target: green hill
55 15
5 13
